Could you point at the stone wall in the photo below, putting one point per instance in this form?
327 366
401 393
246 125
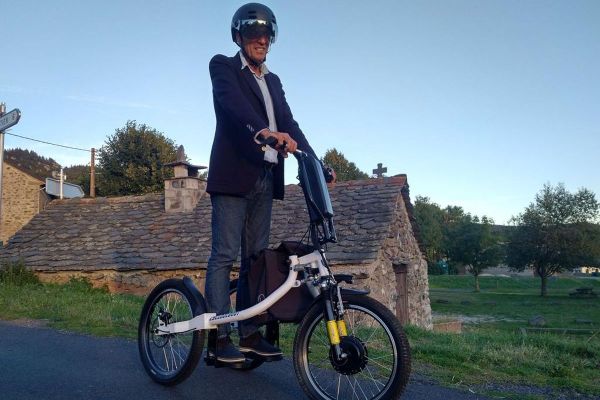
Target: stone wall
22 199
401 248
138 282
182 194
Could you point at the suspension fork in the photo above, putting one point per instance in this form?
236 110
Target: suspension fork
336 326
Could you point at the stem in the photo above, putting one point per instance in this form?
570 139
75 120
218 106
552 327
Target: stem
544 289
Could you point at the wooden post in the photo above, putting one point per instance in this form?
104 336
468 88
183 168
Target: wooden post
402 293
93 174
62 181
2 111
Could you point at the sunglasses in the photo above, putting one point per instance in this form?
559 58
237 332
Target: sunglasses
255 29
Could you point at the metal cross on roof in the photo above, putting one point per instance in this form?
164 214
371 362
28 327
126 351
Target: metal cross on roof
380 170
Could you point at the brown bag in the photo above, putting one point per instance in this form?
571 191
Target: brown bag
268 271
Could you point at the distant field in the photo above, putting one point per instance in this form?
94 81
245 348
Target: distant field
503 285
493 347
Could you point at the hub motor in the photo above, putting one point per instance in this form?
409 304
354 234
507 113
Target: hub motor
356 356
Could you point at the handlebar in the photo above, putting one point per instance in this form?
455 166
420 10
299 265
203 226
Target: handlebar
271 141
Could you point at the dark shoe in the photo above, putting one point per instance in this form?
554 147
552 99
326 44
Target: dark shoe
256 344
227 353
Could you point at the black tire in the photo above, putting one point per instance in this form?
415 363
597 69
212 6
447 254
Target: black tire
379 369
169 359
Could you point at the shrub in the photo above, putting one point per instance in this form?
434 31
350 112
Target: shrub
15 273
437 268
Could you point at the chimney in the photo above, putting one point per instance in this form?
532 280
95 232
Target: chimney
184 190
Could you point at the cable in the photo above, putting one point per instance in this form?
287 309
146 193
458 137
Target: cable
53 144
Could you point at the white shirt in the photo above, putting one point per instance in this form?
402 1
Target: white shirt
270 153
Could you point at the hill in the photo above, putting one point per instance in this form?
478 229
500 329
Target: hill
31 163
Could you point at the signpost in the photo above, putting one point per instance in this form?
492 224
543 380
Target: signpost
9 119
6 121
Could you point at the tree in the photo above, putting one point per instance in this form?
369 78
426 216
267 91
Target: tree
31 163
452 237
79 175
344 169
555 233
132 160
472 243
454 214
430 218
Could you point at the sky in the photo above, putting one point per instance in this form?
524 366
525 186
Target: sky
479 102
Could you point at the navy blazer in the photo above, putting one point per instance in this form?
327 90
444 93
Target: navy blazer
236 160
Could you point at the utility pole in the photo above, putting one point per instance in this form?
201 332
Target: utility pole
6 121
2 112
93 174
62 181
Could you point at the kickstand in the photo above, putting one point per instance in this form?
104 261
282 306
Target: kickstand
211 347
272 332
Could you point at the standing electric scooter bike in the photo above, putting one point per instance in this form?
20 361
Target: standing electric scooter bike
347 346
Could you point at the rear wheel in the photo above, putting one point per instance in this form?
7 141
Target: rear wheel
169 359
377 363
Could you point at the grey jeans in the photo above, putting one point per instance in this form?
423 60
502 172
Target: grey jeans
237 222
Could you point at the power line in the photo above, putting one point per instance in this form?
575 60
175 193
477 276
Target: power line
53 144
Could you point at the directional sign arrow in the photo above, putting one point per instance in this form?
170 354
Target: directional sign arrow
9 119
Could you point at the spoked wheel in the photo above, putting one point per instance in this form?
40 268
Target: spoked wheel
377 363
169 359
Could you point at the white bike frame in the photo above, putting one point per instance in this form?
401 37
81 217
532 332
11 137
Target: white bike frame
313 261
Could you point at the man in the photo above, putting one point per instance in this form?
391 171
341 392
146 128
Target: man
245 175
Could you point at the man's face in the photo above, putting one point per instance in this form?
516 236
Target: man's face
256 48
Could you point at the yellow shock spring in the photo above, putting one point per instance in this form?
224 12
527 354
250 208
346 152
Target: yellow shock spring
341 325
332 330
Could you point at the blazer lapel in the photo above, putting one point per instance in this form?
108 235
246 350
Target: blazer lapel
249 78
253 85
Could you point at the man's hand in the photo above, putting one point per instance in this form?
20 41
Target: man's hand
285 143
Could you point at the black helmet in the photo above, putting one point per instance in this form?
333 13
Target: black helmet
254 19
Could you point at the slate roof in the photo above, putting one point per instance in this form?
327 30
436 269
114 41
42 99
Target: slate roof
134 232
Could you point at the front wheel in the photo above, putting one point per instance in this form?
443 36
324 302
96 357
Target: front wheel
377 363
169 359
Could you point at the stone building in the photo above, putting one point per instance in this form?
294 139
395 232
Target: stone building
22 199
132 243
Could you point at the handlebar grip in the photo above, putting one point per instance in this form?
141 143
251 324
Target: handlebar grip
268 140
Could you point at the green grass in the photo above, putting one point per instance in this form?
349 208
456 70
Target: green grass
17 274
491 350
75 306
556 285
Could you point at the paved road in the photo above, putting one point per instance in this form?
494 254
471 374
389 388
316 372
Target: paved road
42 363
